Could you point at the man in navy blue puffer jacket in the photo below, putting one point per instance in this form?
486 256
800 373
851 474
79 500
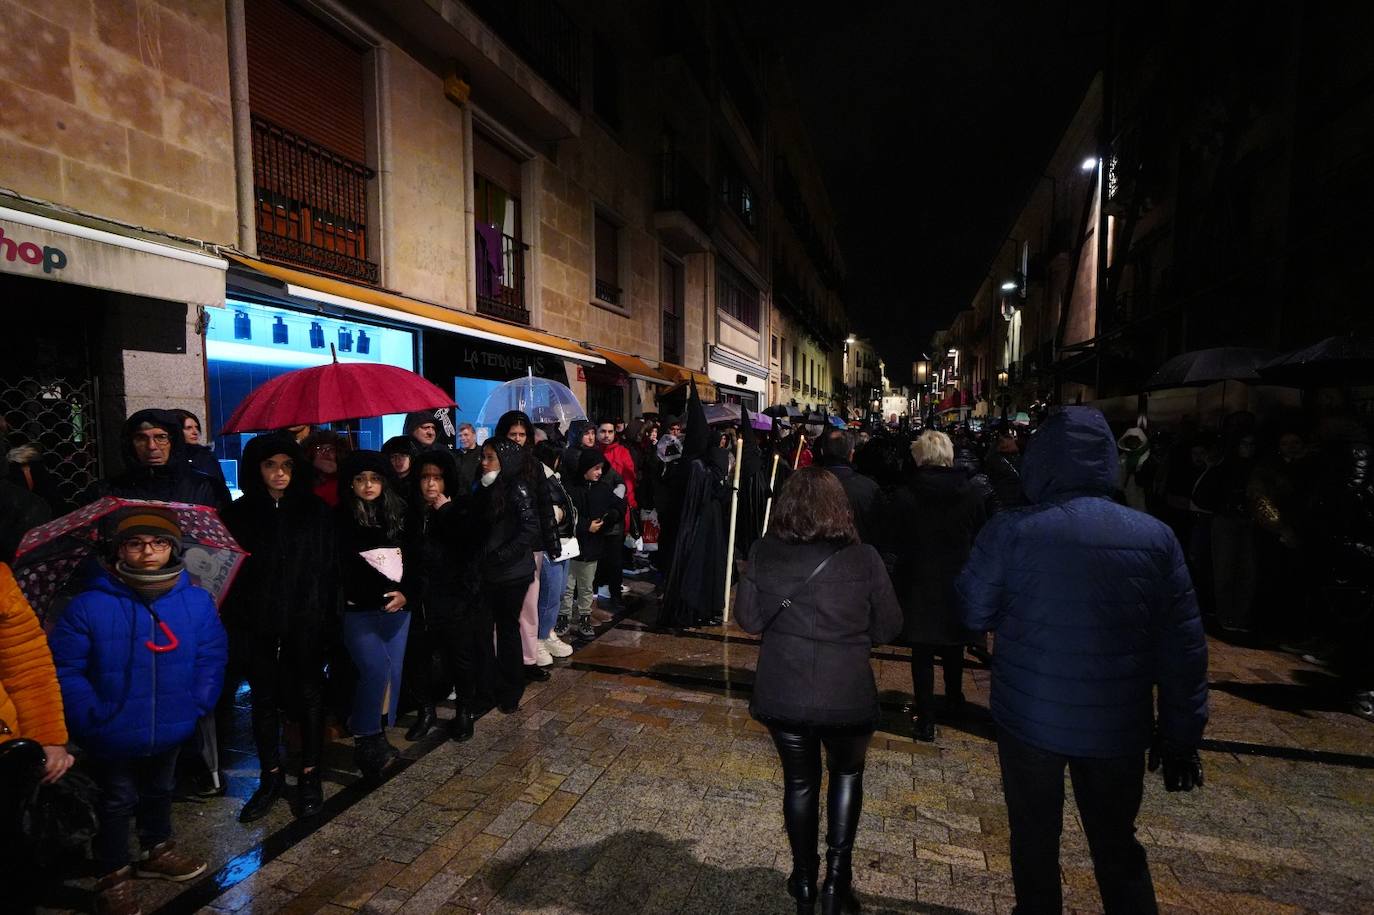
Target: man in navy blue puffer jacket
1094 611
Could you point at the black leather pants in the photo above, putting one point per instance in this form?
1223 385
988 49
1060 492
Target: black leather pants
799 749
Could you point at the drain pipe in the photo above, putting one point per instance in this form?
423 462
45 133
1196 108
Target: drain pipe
236 22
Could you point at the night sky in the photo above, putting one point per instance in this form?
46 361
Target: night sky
931 121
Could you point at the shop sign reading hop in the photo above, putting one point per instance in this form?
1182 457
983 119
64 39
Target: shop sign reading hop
50 257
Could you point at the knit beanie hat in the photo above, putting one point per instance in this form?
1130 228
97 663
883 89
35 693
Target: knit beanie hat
588 459
146 521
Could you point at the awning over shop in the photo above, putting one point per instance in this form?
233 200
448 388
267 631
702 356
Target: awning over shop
399 308
49 243
633 366
680 375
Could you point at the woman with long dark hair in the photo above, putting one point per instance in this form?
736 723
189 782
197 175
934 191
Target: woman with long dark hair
374 533
506 504
821 601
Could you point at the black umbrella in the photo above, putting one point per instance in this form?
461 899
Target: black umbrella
1347 359
782 411
1208 366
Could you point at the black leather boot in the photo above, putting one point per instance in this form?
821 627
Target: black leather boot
310 796
373 754
425 720
844 804
460 729
801 885
260 804
923 729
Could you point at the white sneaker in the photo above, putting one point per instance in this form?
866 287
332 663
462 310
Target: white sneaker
557 647
542 656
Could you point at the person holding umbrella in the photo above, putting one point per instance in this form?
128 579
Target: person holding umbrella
140 657
277 610
374 531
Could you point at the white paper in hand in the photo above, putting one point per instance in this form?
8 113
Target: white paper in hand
387 560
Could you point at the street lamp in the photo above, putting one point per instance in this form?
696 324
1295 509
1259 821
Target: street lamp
1090 163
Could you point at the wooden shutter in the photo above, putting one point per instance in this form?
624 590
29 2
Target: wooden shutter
306 78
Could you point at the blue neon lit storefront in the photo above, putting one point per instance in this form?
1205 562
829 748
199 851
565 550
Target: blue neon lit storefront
250 342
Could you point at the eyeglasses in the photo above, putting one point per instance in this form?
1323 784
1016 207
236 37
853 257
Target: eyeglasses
156 438
138 545
324 449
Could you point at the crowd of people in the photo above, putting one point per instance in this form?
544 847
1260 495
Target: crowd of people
382 582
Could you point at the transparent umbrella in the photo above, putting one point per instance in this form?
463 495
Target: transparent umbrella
543 400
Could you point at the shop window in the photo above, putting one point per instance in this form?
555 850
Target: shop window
736 296
606 240
670 299
248 344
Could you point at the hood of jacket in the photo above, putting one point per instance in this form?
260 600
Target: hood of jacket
509 419
446 431
262 447
162 419
511 456
447 466
360 462
575 431
1073 453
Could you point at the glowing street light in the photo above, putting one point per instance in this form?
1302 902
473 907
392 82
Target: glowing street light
1090 163
1009 286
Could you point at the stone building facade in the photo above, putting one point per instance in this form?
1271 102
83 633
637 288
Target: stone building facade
473 190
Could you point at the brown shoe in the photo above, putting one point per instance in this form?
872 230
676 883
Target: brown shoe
163 862
115 895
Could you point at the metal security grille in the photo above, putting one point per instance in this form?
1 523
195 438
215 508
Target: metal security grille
58 415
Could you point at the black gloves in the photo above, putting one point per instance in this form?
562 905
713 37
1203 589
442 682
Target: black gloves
1182 765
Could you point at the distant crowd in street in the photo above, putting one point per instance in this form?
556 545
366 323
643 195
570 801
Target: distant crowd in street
386 582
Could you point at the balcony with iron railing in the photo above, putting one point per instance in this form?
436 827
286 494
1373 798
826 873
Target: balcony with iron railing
608 292
311 204
543 33
501 276
681 187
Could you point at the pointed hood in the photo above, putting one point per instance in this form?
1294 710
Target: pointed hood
696 434
1073 453
751 459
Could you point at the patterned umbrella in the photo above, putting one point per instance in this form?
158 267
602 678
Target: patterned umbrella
50 554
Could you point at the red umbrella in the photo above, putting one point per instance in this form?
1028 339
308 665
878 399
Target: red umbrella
334 392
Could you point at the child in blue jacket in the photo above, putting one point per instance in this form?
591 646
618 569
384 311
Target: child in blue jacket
140 657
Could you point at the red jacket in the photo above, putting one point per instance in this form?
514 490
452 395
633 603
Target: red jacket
618 456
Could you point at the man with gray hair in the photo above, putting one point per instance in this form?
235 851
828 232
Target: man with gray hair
467 456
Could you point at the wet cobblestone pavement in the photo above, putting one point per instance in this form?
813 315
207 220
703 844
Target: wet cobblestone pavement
635 782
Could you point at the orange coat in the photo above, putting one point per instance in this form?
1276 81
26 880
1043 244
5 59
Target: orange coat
30 700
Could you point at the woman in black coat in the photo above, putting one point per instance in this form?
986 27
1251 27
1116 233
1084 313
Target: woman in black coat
506 505
285 594
821 600
938 513
448 616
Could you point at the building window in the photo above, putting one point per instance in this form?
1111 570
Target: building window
736 194
774 349
607 255
670 298
606 82
736 296
500 250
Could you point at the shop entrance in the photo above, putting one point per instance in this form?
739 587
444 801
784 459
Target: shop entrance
49 397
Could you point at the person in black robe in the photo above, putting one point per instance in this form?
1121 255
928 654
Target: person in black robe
695 593
755 467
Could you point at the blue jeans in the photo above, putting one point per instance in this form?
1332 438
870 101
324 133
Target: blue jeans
137 789
553 578
376 641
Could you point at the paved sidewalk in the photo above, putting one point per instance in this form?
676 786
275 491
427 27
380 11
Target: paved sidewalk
635 782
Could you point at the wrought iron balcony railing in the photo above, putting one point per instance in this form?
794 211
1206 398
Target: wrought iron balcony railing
311 203
500 275
543 33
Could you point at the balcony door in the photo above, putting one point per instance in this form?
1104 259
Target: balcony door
310 177
670 298
498 240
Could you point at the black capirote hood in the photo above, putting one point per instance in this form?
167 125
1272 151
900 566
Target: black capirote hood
262 447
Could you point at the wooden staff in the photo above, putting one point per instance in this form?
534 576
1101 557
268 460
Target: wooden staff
768 506
734 513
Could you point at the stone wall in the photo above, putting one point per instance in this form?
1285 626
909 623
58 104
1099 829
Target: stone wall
120 108
424 192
